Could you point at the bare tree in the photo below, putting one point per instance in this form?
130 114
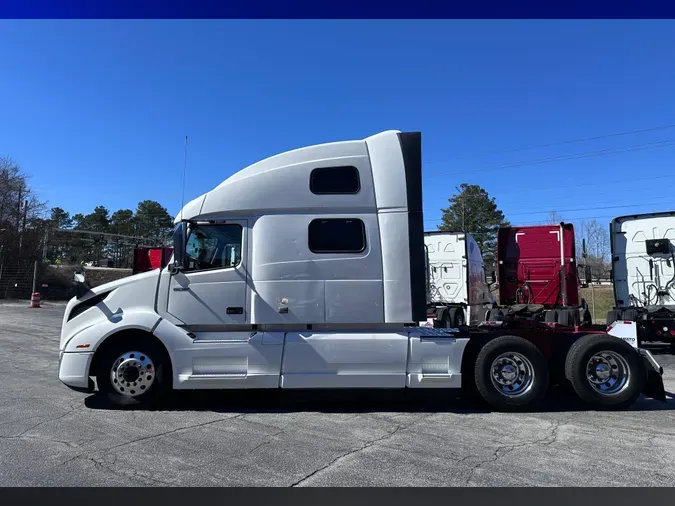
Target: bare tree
553 218
21 213
597 247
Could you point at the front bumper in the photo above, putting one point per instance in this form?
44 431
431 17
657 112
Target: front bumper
74 370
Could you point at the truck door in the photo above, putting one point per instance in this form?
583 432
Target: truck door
213 289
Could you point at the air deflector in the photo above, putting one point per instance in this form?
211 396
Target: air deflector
411 147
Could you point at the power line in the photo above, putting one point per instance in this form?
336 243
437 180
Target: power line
648 200
583 185
543 222
561 158
593 208
636 202
561 143
523 163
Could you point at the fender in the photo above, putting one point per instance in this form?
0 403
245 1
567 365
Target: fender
90 338
627 331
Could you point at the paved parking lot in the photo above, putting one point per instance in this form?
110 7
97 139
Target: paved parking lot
52 436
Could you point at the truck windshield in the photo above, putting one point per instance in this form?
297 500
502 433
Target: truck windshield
213 246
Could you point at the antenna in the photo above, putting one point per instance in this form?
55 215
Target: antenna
182 199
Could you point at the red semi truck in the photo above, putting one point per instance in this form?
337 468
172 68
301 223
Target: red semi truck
148 259
538 277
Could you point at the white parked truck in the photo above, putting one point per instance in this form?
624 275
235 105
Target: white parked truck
307 270
643 274
457 289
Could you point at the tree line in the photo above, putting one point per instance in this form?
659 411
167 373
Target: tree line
30 230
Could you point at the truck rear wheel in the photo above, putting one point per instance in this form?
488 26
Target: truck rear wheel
605 372
133 372
511 373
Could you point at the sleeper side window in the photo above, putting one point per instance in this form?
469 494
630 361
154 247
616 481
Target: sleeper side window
335 181
213 246
337 235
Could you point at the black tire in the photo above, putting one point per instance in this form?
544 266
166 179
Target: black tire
161 382
483 373
578 358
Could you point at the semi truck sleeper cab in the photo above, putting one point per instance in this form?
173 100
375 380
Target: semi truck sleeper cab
307 270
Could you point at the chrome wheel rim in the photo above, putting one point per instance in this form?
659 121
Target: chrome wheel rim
132 374
608 373
512 374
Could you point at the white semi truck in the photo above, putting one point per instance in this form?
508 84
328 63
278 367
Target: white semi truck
307 270
458 292
643 274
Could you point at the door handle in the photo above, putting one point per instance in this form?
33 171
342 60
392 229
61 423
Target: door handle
181 289
235 310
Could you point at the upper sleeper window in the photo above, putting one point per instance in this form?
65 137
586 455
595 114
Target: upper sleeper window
335 181
337 235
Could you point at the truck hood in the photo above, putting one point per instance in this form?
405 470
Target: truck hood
108 287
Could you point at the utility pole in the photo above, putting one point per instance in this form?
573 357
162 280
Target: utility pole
44 245
18 208
23 227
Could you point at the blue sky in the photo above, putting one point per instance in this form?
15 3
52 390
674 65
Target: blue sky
97 111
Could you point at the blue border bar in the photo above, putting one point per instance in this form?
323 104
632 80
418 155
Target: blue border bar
343 9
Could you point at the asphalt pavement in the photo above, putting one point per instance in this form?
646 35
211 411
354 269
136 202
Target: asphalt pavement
52 436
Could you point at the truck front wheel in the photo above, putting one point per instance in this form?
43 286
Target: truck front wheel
604 371
133 372
511 373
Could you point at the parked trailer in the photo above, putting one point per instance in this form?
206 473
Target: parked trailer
458 292
538 275
318 283
643 273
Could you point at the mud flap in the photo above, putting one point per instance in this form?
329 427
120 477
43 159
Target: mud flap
654 387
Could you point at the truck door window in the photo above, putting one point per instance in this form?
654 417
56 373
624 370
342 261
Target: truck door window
213 247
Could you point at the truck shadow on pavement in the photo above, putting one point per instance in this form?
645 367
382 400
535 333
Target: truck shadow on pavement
349 402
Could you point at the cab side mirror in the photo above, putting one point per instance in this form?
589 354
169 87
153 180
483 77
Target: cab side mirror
588 275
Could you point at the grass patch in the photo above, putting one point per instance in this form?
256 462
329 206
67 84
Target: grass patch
603 295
